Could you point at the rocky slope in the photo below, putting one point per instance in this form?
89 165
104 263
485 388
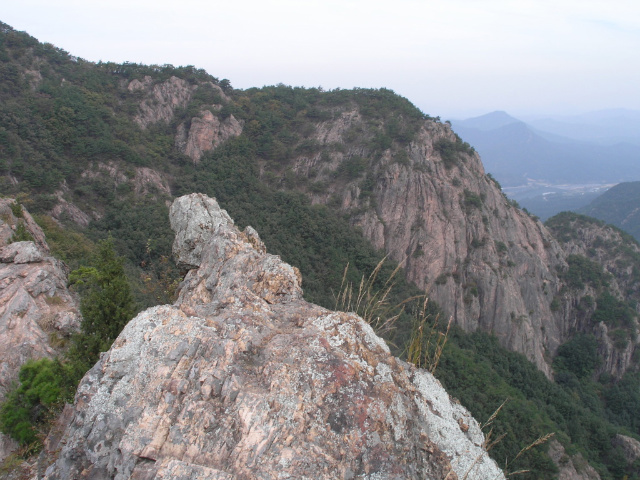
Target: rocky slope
429 205
241 378
617 254
37 310
488 264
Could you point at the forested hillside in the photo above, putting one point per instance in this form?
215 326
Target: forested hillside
330 180
618 206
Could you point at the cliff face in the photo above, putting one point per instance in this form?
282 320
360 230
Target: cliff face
197 135
429 205
241 378
36 309
618 255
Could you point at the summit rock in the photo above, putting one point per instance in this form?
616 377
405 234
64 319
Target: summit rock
242 378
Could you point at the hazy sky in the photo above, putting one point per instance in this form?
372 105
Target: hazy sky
452 58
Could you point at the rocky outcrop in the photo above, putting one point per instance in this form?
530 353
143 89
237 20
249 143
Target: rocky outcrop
206 133
64 210
241 378
201 133
36 308
570 467
618 254
14 216
161 99
430 206
630 447
37 311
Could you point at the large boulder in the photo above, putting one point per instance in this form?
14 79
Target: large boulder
242 378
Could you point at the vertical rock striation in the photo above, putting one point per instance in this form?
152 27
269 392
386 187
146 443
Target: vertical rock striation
241 378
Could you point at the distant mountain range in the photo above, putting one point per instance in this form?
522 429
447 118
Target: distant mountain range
606 127
556 163
519 153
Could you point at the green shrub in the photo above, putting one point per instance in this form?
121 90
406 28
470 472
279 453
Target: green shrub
472 200
106 305
21 234
44 386
578 356
16 209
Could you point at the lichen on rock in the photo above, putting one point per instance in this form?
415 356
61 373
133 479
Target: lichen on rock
242 378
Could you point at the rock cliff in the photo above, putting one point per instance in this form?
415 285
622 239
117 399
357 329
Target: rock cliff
198 134
430 206
617 254
241 378
37 311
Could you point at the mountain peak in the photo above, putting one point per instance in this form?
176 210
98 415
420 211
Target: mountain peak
489 121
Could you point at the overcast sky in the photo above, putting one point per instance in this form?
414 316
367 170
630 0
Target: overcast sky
452 58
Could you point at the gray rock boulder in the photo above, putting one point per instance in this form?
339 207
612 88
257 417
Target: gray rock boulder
242 378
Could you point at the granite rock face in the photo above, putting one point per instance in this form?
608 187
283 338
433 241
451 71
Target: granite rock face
618 255
205 133
242 378
630 447
485 262
573 467
161 99
36 308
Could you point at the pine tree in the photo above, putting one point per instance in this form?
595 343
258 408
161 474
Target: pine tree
107 305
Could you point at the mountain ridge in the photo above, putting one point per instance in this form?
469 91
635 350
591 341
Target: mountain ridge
301 155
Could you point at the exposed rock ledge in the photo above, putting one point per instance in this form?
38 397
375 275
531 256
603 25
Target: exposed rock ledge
244 379
36 308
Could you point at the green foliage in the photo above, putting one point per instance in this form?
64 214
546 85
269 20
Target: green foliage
481 374
351 168
582 272
16 209
451 151
21 234
578 356
622 400
106 305
67 244
472 200
618 206
44 386
495 182
612 311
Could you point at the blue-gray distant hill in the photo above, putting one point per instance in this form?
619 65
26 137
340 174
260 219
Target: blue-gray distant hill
619 206
606 127
516 153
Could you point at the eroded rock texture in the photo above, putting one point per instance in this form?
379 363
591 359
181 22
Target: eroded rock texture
244 379
36 308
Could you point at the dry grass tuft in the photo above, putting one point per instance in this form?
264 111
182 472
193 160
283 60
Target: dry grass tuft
427 342
367 302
